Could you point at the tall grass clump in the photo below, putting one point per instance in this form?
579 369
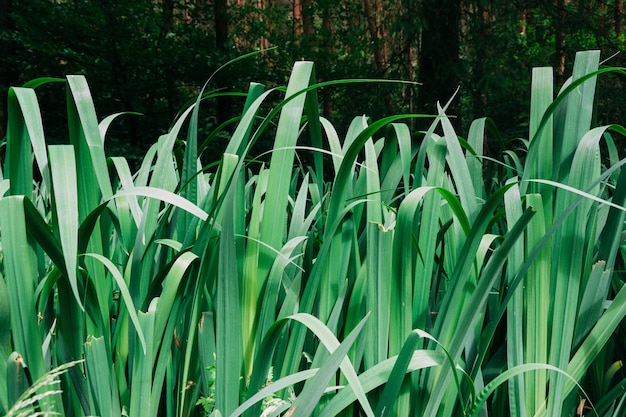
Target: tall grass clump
397 273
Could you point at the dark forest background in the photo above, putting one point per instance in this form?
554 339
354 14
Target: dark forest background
153 56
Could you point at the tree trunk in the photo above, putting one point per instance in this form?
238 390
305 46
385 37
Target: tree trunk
297 19
618 12
220 10
439 62
328 44
375 25
169 72
560 41
221 23
8 73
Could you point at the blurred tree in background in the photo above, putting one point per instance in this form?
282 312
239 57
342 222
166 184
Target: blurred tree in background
152 56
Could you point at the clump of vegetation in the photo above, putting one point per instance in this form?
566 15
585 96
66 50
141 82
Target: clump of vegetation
396 273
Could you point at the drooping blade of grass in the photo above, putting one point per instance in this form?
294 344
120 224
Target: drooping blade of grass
24 129
125 294
331 343
510 373
380 374
126 182
65 187
314 388
164 196
103 126
83 118
274 387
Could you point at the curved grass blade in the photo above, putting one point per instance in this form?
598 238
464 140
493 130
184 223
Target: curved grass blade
378 375
125 294
314 388
24 129
510 373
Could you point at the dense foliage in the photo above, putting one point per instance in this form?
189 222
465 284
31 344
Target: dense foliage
152 56
398 272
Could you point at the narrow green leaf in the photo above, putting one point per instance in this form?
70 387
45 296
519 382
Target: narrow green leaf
314 388
99 372
19 259
65 187
125 294
378 375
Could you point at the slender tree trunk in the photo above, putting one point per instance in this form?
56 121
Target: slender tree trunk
374 14
261 6
482 54
328 44
307 21
221 23
439 62
169 72
297 19
560 41
523 17
8 73
618 11
220 11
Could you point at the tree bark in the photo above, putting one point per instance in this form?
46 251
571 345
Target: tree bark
560 41
328 44
618 11
8 73
221 23
169 72
220 11
375 25
297 18
439 62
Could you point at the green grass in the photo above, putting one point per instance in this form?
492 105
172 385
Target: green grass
400 273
